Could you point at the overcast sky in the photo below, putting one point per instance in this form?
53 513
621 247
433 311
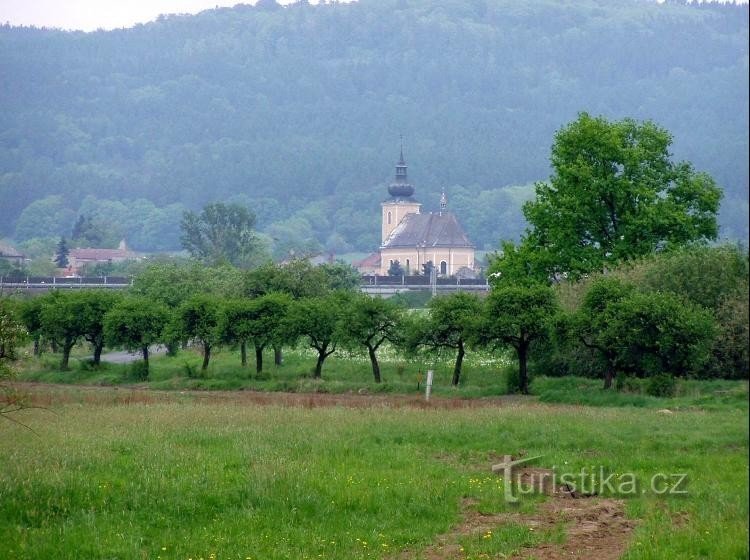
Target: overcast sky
106 14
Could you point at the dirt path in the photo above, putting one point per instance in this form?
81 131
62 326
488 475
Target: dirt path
594 529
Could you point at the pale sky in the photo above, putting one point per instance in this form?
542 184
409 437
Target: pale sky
89 15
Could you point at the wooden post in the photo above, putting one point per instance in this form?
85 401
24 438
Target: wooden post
428 385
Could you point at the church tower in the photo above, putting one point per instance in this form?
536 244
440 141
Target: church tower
401 201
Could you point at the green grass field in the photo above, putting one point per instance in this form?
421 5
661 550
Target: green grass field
185 477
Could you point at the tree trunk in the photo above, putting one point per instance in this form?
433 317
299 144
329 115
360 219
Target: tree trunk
523 375
37 351
609 375
206 356
98 347
53 345
278 359
319 365
459 363
67 347
144 350
375 364
258 359
243 353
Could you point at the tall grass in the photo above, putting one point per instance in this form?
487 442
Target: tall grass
183 479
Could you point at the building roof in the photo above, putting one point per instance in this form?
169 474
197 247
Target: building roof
90 254
371 260
428 230
9 252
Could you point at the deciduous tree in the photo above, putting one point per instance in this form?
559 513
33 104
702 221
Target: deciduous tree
136 323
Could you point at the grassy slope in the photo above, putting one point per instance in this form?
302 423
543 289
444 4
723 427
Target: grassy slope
190 480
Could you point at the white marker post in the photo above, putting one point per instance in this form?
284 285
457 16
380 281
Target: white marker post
428 385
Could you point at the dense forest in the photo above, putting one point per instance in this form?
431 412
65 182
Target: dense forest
296 111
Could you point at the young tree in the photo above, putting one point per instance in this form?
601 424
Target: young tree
12 333
93 306
198 319
30 314
61 253
517 315
369 322
62 321
615 195
318 319
136 323
590 323
449 325
260 320
395 269
221 233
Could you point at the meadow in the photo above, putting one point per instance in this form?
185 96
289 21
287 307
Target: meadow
121 473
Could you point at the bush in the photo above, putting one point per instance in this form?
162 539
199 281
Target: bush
139 370
661 385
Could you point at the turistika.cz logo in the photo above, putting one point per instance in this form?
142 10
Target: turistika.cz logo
589 481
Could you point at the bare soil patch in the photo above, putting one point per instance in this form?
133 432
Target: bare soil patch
595 528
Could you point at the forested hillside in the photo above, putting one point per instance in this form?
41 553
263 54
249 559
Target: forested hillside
297 111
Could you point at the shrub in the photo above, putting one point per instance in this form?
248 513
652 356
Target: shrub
661 385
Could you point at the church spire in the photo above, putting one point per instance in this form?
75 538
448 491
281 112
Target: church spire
443 202
400 188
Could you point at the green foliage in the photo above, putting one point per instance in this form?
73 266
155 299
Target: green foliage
12 331
139 370
661 385
61 320
220 234
516 316
369 322
186 131
198 319
395 269
615 195
448 325
47 217
136 323
318 320
61 253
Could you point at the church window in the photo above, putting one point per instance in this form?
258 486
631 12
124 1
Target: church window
443 268
389 217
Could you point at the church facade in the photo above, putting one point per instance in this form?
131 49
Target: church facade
415 239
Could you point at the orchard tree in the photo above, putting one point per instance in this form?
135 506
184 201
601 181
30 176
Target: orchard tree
369 322
30 314
62 322
136 323
261 321
318 319
449 326
615 195
221 233
198 319
93 306
590 323
516 316
12 334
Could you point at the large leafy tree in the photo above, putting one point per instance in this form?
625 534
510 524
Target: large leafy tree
369 322
221 233
615 194
136 323
448 327
517 316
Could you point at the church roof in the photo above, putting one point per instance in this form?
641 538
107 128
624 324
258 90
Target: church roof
428 230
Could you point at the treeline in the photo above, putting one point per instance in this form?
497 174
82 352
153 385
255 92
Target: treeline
296 111
680 314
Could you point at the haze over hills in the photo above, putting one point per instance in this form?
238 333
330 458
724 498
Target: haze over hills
296 111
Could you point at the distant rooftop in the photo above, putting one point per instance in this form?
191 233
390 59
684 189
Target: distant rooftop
428 230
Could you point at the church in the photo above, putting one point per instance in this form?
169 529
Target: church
415 239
